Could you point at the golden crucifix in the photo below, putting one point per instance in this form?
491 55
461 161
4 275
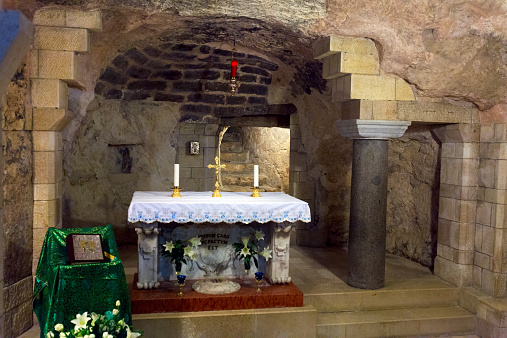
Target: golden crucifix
217 168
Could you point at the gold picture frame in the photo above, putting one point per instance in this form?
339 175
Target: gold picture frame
83 248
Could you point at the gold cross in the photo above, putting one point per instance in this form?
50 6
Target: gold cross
217 168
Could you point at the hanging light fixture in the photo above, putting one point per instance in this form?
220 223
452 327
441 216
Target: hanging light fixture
234 68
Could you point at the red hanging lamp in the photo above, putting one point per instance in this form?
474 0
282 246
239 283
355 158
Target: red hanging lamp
234 68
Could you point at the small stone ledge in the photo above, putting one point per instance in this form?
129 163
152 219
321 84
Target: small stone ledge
375 130
491 311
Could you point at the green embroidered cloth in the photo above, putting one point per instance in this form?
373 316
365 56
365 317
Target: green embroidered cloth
61 290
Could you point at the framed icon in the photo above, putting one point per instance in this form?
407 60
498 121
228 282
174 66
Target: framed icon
194 147
85 248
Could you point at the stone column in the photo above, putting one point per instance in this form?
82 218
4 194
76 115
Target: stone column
368 205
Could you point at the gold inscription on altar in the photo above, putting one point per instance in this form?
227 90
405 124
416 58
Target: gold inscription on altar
217 168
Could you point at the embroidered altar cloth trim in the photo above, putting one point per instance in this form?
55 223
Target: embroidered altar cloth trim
200 207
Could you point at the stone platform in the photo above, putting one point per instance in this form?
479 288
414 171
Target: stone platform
166 299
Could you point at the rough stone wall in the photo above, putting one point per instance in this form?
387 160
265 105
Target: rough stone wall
270 149
121 147
413 190
17 205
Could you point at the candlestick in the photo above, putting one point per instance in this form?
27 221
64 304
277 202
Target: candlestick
176 175
256 175
176 192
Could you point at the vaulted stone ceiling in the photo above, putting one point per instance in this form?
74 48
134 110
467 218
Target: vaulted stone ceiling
446 49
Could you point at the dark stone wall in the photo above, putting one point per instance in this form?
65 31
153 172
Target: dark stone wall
196 76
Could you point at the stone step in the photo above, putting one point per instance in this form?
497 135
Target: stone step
345 298
231 147
396 322
239 168
234 157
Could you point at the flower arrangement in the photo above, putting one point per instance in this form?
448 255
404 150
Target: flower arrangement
249 248
178 250
108 325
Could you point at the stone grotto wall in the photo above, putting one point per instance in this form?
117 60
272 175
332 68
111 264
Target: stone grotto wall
17 204
270 149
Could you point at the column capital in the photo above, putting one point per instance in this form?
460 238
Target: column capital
372 129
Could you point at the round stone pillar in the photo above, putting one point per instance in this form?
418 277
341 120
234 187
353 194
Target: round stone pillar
368 202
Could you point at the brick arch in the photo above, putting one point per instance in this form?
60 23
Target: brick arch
196 76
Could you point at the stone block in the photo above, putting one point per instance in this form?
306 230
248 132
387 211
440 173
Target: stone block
457 274
357 110
477 278
385 110
467 150
478 237
49 17
47 140
369 87
51 119
500 132
482 260
44 214
447 207
211 129
47 166
298 161
449 150
488 241
295 131
462 236
451 169
499 214
484 213
294 119
501 174
487 132
469 172
404 91
49 93
60 38
465 211
45 192
58 65
434 112
333 44
91 20
484 150
494 284
33 63
487 169
199 173
342 63
17 293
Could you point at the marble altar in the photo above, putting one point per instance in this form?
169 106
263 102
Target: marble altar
218 222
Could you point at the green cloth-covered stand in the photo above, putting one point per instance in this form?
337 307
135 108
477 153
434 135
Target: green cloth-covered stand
61 291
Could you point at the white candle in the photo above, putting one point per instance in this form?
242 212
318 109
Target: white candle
256 175
176 175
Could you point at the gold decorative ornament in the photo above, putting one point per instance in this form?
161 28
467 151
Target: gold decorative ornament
217 168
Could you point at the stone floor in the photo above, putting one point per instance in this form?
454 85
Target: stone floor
412 303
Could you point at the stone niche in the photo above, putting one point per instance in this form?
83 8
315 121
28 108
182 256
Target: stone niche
151 102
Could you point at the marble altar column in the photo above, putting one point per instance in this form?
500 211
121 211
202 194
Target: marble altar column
368 203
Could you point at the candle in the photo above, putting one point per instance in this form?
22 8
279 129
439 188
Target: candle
234 67
176 175
256 175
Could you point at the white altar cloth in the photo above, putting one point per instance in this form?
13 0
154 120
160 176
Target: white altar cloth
232 207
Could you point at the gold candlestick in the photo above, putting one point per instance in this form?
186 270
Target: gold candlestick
176 192
217 168
256 192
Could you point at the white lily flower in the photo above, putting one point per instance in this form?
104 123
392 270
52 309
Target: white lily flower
80 321
196 241
91 335
86 336
266 253
259 235
245 241
118 303
59 327
50 334
63 335
169 246
131 334
245 252
115 312
95 317
189 252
